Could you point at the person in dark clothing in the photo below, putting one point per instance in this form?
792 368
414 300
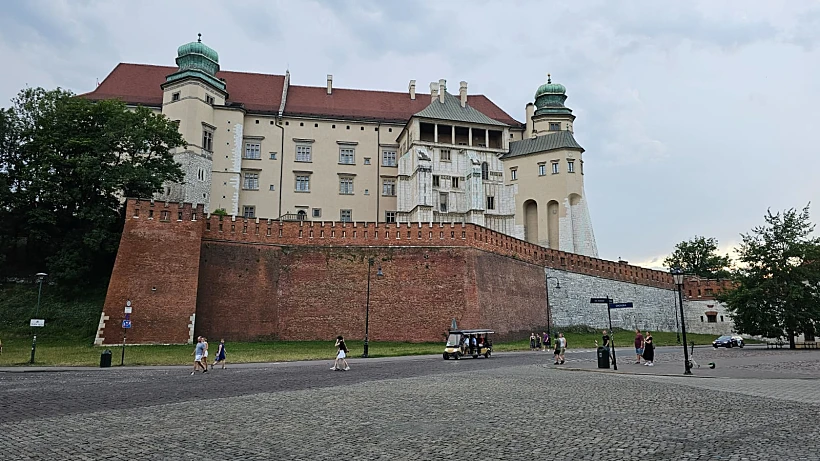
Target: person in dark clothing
648 350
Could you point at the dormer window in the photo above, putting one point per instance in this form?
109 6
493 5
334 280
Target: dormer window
555 126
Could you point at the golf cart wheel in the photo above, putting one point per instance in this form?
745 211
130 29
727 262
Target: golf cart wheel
487 355
457 356
446 356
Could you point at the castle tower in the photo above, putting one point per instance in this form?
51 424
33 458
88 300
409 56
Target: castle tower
189 96
547 171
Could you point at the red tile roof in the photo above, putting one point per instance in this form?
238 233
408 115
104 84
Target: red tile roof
140 84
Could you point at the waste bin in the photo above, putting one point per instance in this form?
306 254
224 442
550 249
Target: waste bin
105 358
603 357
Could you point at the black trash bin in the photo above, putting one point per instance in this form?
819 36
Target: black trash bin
105 358
603 357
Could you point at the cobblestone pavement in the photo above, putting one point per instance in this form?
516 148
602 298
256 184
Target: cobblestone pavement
513 406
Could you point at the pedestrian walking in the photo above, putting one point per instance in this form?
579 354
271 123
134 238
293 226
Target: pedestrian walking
638 345
205 354
341 355
648 350
198 352
546 341
532 341
537 342
560 349
220 355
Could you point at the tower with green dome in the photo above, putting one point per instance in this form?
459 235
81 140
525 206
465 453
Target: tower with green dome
550 113
197 60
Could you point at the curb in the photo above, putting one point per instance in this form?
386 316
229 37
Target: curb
632 373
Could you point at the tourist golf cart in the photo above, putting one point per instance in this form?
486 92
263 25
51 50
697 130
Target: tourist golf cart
457 347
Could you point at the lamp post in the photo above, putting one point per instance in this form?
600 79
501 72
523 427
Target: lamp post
678 275
677 324
40 277
379 274
547 279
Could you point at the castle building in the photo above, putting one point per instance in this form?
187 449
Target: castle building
259 147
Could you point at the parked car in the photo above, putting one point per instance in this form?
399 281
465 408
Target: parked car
728 341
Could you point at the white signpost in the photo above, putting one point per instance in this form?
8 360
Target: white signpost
37 323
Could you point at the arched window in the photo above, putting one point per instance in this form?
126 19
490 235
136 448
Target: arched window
301 215
485 171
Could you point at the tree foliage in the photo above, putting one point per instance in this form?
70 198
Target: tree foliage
778 279
699 257
65 164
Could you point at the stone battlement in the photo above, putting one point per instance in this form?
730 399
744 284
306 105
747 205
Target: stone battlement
369 234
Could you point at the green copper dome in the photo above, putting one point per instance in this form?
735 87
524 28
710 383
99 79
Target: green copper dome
550 98
196 59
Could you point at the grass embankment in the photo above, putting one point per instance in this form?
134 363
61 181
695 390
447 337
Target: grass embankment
71 325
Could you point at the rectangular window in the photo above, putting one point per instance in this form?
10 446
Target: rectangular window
317 212
435 180
513 174
272 188
454 183
445 155
711 318
303 153
442 200
555 168
346 216
542 169
253 150
303 183
390 217
389 187
249 211
389 158
346 156
367 160
491 203
273 155
555 126
208 140
175 96
209 99
251 181
570 166
346 185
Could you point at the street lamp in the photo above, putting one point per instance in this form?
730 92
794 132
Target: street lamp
40 277
547 279
379 274
677 323
678 275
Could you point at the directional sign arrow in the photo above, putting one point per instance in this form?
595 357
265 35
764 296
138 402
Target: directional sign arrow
599 300
620 305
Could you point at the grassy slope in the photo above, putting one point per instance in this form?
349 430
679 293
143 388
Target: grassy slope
70 327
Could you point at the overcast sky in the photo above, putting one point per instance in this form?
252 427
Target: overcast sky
696 116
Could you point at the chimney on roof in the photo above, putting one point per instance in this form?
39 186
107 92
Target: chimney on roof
530 112
433 91
442 88
329 83
412 89
462 92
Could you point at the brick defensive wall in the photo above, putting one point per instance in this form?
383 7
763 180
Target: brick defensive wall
188 273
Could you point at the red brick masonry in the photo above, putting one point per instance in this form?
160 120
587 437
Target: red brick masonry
255 278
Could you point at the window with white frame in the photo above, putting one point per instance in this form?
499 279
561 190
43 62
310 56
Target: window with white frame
570 166
389 158
346 155
303 183
346 215
554 167
208 140
513 174
253 150
542 169
317 212
454 183
272 188
249 211
303 153
175 96
346 185
251 181
390 217
555 126
367 160
389 187
491 203
443 199
485 171
435 180
273 155
445 155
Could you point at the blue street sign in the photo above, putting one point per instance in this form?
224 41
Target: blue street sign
599 300
126 324
127 316
619 305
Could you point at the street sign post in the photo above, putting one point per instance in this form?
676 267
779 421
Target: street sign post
600 300
620 305
126 324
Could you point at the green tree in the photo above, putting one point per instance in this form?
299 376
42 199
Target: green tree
699 256
66 162
777 289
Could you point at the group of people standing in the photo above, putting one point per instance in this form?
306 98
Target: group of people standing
540 343
200 354
644 346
